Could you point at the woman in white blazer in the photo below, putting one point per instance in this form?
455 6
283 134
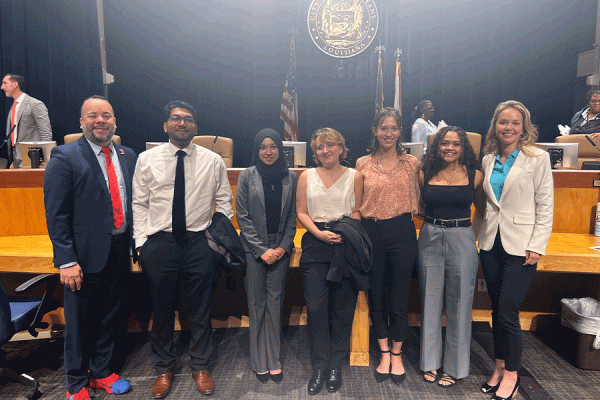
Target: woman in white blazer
266 213
516 228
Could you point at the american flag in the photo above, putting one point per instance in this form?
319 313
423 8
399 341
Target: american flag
289 104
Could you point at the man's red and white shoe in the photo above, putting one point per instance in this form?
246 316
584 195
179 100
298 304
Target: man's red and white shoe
83 394
112 384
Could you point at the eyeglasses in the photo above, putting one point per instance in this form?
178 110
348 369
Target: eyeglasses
176 119
328 146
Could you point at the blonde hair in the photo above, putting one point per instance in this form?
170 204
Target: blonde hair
327 135
528 138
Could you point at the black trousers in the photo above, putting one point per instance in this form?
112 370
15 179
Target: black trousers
91 318
330 305
508 282
166 265
394 256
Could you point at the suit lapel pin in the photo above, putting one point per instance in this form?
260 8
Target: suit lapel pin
121 151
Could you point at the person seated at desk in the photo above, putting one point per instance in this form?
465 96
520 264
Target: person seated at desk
422 127
587 120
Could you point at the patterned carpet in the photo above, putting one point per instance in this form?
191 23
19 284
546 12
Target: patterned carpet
547 375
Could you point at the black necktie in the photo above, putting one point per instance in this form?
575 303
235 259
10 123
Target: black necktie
178 217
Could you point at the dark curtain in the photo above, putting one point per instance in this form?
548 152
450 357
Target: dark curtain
54 45
229 59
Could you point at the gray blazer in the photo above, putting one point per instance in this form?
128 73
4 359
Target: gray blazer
33 125
251 217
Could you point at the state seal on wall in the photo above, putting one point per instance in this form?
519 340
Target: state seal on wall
342 28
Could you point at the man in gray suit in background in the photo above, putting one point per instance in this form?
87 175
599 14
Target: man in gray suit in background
27 119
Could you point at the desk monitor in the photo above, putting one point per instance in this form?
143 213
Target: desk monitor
150 145
562 155
45 148
415 148
299 152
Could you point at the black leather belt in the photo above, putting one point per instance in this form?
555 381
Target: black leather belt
449 223
326 225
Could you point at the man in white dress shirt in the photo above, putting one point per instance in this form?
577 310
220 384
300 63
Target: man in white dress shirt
174 187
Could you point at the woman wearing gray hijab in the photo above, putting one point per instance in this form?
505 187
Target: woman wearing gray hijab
266 215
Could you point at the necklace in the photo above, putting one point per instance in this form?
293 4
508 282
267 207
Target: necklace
451 182
392 170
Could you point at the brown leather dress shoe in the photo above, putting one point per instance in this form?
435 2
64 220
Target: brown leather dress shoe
162 385
204 382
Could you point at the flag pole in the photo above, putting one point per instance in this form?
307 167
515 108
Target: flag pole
398 82
379 90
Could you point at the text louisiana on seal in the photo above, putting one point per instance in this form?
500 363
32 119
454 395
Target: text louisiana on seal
342 28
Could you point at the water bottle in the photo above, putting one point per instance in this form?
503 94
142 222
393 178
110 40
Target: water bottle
597 227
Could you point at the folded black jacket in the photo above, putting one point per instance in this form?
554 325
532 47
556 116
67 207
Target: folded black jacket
353 257
225 244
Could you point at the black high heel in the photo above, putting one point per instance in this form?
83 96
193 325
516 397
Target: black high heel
263 378
397 379
487 389
277 378
513 394
380 377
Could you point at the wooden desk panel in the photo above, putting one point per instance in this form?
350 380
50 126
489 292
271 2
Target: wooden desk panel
571 253
22 211
575 210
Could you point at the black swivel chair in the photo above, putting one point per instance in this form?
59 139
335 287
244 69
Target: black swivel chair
20 313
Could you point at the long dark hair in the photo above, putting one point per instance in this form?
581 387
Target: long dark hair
378 120
432 163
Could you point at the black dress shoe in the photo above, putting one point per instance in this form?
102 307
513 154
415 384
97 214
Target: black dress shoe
334 380
276 377
264 378
315 384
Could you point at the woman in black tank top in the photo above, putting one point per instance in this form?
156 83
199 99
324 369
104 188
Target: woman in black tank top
448 258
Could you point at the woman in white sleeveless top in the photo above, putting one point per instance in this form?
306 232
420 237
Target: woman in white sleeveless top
325 195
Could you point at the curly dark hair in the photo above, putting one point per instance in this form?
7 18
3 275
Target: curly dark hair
432 163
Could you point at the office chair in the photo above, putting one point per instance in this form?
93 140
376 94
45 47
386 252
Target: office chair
474 140
586 151
71 137
221 145
20 313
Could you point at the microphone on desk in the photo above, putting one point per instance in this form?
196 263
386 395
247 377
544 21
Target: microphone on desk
592 142
8 136
214 141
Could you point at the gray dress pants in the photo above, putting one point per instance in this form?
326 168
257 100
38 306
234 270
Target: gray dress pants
448 264
265 287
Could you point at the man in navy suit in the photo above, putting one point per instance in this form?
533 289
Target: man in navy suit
87 195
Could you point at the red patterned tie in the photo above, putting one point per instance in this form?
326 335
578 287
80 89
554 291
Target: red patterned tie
114 190
12 123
